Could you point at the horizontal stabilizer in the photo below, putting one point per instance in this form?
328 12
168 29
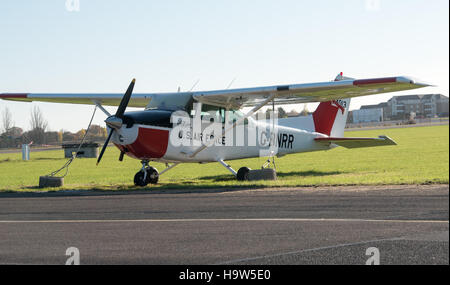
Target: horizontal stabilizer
357 142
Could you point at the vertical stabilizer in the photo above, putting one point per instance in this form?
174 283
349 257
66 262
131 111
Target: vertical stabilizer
330 117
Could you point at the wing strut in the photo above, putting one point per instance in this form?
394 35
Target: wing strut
248 114
99 105
169 167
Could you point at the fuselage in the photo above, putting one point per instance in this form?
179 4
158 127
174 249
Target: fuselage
150 135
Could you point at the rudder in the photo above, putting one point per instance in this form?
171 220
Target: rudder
330 117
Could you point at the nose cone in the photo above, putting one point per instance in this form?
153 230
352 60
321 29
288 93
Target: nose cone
114 122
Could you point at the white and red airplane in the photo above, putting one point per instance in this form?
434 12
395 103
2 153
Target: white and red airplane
168 129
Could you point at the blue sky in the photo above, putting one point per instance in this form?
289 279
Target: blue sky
166 44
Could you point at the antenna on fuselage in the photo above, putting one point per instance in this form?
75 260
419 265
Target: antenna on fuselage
231 83
193 86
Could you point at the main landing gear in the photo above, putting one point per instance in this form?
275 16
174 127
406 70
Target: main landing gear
146 175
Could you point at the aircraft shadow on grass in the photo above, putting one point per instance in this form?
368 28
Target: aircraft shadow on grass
171 188
184 188
309 173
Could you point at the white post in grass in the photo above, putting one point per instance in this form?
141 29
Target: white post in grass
25 152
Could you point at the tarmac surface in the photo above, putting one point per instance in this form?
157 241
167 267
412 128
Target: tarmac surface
334 225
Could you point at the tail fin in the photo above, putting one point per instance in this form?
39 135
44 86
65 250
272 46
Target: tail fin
330 117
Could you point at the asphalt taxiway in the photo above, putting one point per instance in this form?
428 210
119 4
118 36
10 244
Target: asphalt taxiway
328 225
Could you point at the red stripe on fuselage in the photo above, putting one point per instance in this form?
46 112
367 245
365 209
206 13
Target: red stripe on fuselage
150 143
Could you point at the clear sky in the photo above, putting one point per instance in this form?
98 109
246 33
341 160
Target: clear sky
166 44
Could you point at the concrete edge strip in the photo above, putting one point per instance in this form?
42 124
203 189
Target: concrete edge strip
223 220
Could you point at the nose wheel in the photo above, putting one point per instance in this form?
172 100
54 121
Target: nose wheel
146 175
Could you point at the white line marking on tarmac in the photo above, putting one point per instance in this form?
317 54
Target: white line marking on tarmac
306 250
402 238
225 220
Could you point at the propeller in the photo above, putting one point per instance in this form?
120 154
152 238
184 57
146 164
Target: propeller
115 122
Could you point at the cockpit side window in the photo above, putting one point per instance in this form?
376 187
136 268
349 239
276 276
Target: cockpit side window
219 114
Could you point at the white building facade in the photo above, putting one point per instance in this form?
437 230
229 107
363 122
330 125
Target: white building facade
367 115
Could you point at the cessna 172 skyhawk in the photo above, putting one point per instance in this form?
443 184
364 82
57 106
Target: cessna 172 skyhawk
166 130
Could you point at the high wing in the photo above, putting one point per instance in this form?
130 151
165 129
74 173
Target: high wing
357 142
169 101
107 99
237 98
309 92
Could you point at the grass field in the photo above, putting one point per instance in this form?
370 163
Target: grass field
421 157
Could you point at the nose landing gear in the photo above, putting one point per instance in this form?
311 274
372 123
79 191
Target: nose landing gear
146 175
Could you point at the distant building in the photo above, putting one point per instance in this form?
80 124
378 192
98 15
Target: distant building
383 106
423 106
367 115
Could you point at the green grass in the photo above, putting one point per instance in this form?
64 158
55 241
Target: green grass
421 157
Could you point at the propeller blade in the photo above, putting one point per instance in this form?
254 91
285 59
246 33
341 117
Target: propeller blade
125 99
104 146
119 114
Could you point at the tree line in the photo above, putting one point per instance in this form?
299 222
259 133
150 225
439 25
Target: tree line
12 136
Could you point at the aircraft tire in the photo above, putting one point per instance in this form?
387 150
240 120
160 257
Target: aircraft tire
152 175
139 179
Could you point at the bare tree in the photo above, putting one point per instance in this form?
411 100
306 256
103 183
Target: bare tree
37 120
38 126
7 122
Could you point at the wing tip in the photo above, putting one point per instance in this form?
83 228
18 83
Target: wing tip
397 79
414 81
388 139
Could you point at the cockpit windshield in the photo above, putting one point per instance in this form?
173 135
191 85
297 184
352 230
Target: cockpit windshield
185 102
171 102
